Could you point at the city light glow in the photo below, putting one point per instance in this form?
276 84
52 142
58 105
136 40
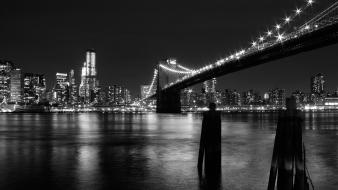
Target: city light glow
173 70
277 26
280 37
268 33
261 38
253 43
310 2
152 83
298 11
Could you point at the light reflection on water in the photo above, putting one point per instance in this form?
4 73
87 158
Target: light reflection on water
150 151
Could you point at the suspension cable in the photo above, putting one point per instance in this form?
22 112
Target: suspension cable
174 71
152 83
327 11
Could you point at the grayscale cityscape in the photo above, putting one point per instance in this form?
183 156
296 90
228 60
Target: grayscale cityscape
28 92
169 95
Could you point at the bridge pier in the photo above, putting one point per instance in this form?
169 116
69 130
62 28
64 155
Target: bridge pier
168 101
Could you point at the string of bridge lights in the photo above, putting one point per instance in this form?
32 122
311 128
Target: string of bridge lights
275 32
188 71
333 7
271 37
152 82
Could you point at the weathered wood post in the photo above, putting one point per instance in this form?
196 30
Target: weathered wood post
288 160
210 147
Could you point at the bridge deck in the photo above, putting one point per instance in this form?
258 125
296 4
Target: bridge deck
313 40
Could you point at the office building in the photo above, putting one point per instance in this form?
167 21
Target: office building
317 84
16 85
89 81
213 85
34 88
301 97
5 71
61 88
73 88
277 97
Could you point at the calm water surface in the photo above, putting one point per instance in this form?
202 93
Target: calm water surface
150 151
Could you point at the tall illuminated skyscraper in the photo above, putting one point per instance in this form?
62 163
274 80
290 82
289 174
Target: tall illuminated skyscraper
73 88
61 89
209 86
205 88
88 78
5 70
213 85
16 85
317 84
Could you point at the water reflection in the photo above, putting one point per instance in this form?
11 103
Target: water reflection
150 151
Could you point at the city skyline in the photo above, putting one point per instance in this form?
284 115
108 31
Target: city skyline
178 94
328 88
198 42
30 88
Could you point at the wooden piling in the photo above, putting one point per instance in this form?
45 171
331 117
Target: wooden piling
287 170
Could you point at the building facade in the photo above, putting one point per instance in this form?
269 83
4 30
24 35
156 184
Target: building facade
73 88
277 97
89 82
61 89
34 88
5 71
317 84
16 85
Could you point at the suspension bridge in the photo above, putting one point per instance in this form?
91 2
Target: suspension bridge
291 36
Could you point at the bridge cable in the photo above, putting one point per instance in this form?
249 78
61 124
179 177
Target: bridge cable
152 83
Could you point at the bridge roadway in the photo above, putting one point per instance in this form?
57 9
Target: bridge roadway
313 40
309 41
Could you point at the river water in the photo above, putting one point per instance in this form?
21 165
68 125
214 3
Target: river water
150 151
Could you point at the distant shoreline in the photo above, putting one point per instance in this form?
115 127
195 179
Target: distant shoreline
183 112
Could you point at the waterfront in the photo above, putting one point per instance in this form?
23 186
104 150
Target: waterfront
150 151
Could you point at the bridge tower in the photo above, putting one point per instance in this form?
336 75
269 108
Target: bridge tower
167 101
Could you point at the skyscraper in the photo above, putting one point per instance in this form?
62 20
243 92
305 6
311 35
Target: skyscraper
5 69
235 98
61 89
230 97
126 96
277 97
248 97
317 84
213 85
103 93
118 95
73 88
61 79
34 87
205 88
209 90
188 97
299 96
16 85
89 81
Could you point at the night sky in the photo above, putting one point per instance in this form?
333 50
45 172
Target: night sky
130 37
